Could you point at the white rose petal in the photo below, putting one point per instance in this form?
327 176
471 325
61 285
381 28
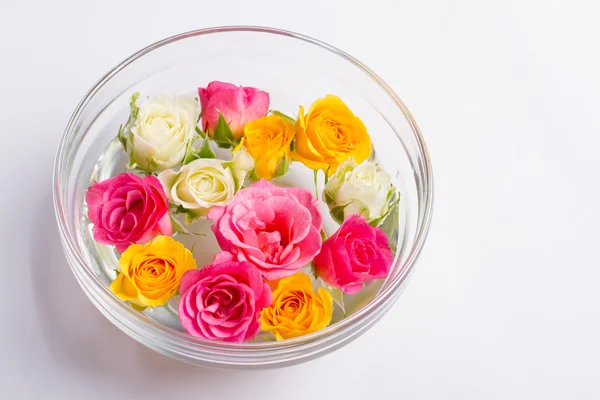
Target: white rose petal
162 131
204 183
363 190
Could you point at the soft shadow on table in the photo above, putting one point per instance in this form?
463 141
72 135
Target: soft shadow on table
77 335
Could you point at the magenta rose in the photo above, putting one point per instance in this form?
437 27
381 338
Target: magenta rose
276 229
238 105
223 301
356 253
128 209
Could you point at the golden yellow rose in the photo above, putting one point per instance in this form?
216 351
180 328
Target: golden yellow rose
267 140
329 134
296 309
150 273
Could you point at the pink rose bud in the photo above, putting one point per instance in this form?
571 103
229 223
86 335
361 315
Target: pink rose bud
238 105
356 253
223 301
276 229
128 209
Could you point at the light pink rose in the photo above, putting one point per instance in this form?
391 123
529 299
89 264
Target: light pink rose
356 253
238 105
128 209
276 229
223 301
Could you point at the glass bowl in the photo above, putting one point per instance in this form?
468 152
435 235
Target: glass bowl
294 69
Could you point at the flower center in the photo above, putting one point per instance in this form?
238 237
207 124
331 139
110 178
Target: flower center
293 306
363 253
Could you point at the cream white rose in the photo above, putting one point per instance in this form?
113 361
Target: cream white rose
363 190
161 131
206 182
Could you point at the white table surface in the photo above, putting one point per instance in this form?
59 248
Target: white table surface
504 303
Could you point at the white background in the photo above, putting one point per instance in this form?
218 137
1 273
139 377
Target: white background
504 303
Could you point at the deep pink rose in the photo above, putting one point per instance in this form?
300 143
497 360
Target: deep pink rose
276 229
128 209
238 105
223 301
356 253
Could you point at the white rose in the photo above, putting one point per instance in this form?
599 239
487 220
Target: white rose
162 131
363 190
206 182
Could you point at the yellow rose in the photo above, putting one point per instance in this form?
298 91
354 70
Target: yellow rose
296 309
329 134
268 140
150 273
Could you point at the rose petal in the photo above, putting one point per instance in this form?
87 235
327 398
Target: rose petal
189 279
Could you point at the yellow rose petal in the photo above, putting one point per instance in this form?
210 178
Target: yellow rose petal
329 134
296 309
268 140
123 288
150 273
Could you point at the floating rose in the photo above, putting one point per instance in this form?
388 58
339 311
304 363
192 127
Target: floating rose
328 134
363 190
223 301
268 140
158 134
150 273
204 183
276 229
237 104
356 253
128 209
296 309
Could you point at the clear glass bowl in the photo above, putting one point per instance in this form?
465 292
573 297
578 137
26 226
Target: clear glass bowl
295 70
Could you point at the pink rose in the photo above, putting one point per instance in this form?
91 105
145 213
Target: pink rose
238 105
223 301
356 253
276 229
128 209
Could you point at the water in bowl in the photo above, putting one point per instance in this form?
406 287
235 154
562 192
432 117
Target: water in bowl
105 259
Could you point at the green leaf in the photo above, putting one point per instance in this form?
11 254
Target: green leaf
389 224
125 135
239 166
253 175
328 197
200 133
121 137
285 117
134 109
205 151
139 169
190 156
137 307
178 210
265 337
393 199
223 136
182 230
283 167
337 213
313 270
323 235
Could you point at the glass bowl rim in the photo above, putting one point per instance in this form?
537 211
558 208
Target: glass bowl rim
306 341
